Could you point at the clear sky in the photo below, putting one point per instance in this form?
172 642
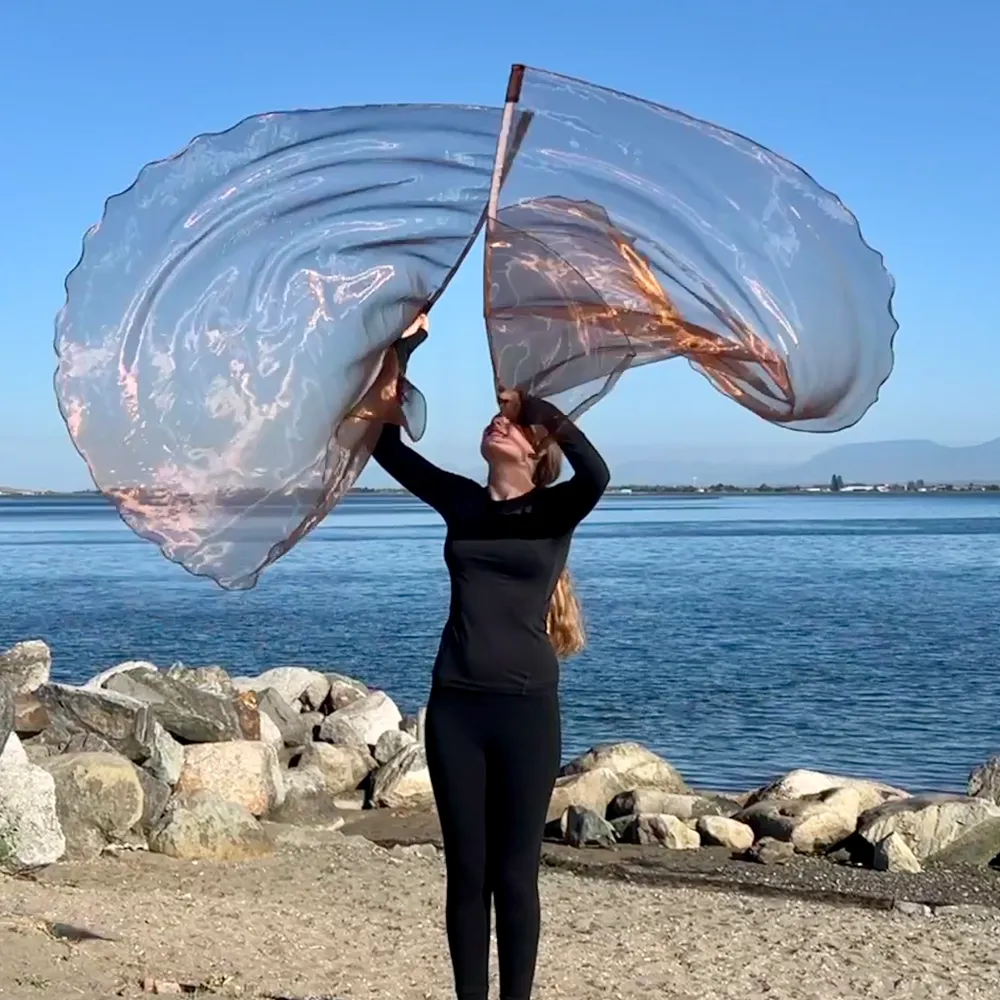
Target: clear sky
893 104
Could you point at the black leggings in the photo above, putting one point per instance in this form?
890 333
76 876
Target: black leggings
493 760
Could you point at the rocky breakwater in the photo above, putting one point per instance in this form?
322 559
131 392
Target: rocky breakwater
189 761
194 763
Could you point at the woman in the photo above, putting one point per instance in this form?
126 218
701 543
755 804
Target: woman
493 733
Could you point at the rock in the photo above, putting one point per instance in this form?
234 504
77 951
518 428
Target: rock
212 680
294 684
669 831
892 855
421 724
768 851
978 846
404 782
99 798
390 743
362 722
98 680
155 796
984 781
312 721
584 828
636 766
30 833
927 823
344 691
721 831
182 708
410 726
801 783
307 799
655 801
271 734
811 825
426 852
202 826
26 666
245 772
588 789
6 711
343 768
288 719
30 717
166 758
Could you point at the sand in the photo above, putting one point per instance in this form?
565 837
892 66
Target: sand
344 918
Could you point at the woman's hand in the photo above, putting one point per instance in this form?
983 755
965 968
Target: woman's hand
410 339
529 411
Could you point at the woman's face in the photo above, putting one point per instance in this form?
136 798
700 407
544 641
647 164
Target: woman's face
506 443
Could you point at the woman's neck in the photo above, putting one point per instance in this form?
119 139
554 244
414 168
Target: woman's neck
508 484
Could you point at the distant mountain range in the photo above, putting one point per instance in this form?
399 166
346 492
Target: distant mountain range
876 462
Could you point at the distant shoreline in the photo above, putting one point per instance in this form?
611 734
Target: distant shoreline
716 489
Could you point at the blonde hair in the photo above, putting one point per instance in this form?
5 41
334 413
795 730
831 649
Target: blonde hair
564 619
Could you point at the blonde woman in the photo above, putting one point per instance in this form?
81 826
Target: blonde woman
493 731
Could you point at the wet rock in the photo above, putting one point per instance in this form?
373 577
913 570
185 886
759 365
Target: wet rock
26 666
390 743
656 801
30 833
584 828
404 782
768 851
343 768
185 710
362 722
203 826
891 854
307 799
99 799
721 831
984 781
289 720
344 691
592 789
301 685
242 771
635 766
927 823
30 717
801 784
669 831
811 824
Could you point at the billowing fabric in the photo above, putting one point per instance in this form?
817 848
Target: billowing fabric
224 364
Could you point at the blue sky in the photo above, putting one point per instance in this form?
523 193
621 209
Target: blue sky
893 105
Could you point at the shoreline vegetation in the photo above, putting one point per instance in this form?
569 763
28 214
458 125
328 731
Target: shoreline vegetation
182 830
836 486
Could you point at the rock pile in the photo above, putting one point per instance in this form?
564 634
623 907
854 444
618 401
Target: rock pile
189 762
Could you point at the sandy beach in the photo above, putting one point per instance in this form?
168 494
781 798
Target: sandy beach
339 916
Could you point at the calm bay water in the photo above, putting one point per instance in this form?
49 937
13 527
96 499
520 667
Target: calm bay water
738 636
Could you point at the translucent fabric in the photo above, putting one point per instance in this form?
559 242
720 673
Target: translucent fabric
626 233
221 347
224 351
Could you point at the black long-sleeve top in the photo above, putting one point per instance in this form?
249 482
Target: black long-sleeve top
504 558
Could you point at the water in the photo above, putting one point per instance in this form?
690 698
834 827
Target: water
738 636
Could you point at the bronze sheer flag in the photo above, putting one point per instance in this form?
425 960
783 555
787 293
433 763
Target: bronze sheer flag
224 362
621 233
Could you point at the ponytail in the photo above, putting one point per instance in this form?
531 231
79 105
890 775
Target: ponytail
564 621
